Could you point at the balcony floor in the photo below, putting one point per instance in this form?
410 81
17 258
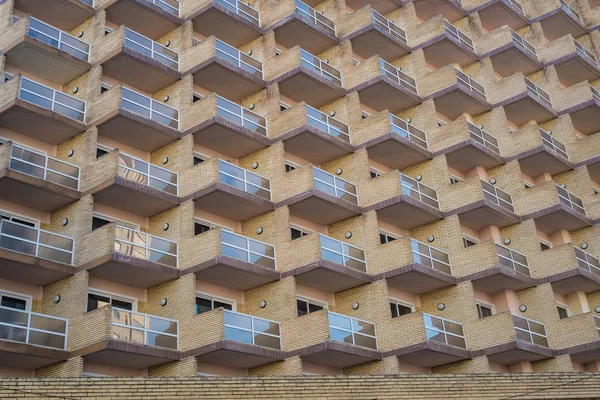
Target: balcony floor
235 354
21 355
468 154
429 354
226 79
328 277
381 93
483 213
293 31
214 19
371 40
314 145
576 279
395 151
405 212
556 217
18 267
301 84
142 17
514 352
336 354
416 279
126 354
320 207
63 14
495 279
542 159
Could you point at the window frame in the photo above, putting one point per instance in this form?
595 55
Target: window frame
291 164
126 224
403 303
304 231
376 172
480 304
116 296
454 179
204 222
308 300
28 298
36 222
470 239
386 233
212 298
564 307
197 154
546 243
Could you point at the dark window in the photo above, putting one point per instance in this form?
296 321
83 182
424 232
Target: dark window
297 233
484 311
12 302
196 97
385 238
454 180
468 242
399 309
562 312
544 246
96 301
374 174
98 222
204 304
200 228
17 220
289 167
283 107
306 307
100 152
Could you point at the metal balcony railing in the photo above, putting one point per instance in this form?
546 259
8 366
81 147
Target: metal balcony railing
585 53
498 196
539 93
458 35
50 99
430 256
249 250
587 261
150 108
443 330
241 116
352 330
38 164
595 93
152 49
315 17
58 39
36 242
569 199
388 26
512 259
570 10
144 329
247 181
237 58
343 253
473 86
484 138
335 186
32 328
170 6
252 330
419 191
242 9
317 65
148 174
404 129
554 144
327 124
397 75
519 40
142 245
517 5
530 331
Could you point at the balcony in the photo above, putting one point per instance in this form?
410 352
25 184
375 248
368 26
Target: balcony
434 341
548 156
511 53
34 256
136 60
372 34
231 260
581 338
583 106
577 271
382 86
573 62
223 69
151 18
65 15
226 127
497 13
232 21
31 340
444 44
381 6
451 10
304 77
524 101
561 21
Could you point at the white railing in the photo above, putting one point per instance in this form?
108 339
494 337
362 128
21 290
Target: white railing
170 6
327 124
36 242
144 329
548 140
481 136
33 328
498 196
58 39
569 199
50 99
430 256
512 259
419 191
142 245
315 17
397 75
249 250
352 330
570 10
342 253
314 63
530 331
237 58
241 116
150 108
585 52
517 5
247 181
538 92
518 39
245 328
595 93
473 86
388 26
445 331
587 261
335 186
152 49
404 129
148 174
242 9
458 35
38 164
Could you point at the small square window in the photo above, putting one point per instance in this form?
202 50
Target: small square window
398 309
468 242
306 306
545 246
195 42
563 311
364 114
206 303
196 97
278 52
201 227
296 232
454 180
386 237
374 173
199 158
283 106
290 166
104 87
107 30
100 151
8 77
484 310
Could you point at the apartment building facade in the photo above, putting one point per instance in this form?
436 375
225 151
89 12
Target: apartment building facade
288 187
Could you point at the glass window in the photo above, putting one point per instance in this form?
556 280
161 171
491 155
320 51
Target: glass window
385 237
290 166
101 151
484 310
96 300
545 246
201 227
563 312
468 242
199 158
11 301
283 106
308 306
104 88
18 220
374 173
454 180
197 97
364 114
99 222
297 232
398 309
206 303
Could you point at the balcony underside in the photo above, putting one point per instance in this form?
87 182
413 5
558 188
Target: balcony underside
327 276
510 59
225 137
483 213
381 93
498 278
593 167
442 51
381 6
523 108
468 154
130 196
44 61
416 279
142 133
128 270
230 202
227 80
514 352
405 212
542 159
235 354
142 17
454 101
556 217
139 71
427 9
395 151
233 273
496 13
300 84
583 353
585 117
576 279
336 354
573 69
293 31
429 354
558 23
229 27
369 41
21 355
320 207
314 145
38 123
30 191
63 14
126 354
18 267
